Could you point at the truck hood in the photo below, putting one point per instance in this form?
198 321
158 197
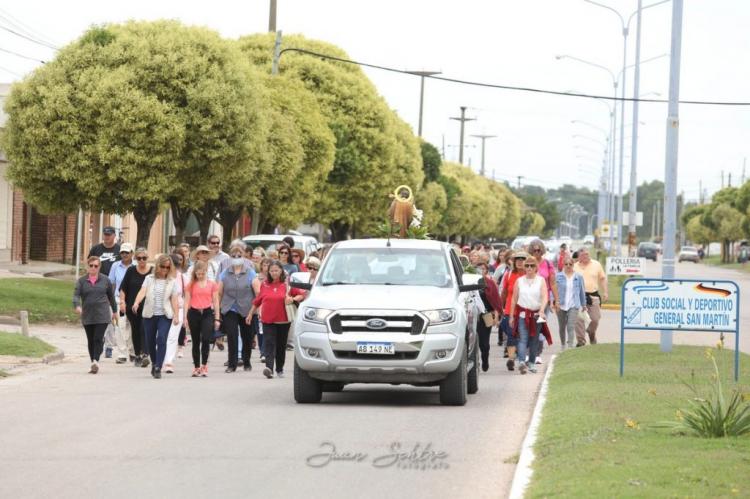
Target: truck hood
337 297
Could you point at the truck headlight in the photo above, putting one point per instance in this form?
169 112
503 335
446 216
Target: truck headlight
442 316
317 315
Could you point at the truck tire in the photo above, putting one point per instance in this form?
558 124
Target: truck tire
333 387
307 390
453 388
472 383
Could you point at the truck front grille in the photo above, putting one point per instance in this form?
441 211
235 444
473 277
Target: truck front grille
408 324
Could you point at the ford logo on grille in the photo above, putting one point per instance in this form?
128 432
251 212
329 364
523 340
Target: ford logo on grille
376 324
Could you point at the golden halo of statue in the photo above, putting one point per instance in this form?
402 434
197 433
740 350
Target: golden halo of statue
399 198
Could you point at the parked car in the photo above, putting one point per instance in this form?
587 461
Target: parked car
688 254
269 241
648 250
398 312
520 242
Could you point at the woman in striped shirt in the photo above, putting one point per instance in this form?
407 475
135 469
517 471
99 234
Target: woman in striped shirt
160 310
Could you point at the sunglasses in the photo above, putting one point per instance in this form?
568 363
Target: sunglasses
141 258
536 250
529 266
93 266
214 243
569 264
166 267
313 268
283 252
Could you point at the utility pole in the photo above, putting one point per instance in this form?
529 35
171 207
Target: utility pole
670 166
653 221
519 177
632 199
422 75
483 137
272 17
443 146
700 191
744 164
729 180
463 119
722 179
493 175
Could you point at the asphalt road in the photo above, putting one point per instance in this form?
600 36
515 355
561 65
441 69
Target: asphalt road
66 433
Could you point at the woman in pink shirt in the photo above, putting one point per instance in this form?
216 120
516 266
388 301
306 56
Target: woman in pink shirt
272 301
201 306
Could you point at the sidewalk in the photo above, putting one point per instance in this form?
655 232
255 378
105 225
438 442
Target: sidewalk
37 269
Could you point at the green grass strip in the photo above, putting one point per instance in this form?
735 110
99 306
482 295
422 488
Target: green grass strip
21 346
47 300
596 438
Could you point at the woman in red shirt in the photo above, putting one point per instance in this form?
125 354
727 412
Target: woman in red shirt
272 301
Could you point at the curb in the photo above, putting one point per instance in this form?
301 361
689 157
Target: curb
53 358
610 306
9 321
522 475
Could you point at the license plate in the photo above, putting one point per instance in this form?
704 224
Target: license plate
376 348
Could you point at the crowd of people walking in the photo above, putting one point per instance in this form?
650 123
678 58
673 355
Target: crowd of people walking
524 290
205 295
200 297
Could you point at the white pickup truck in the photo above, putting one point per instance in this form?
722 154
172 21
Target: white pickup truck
380 311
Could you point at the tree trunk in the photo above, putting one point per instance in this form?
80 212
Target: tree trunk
267 227
228 218
339 230
180 217
205 216
145 214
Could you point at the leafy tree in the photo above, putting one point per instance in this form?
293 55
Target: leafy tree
132 115
433 200
431 162
532 223
373 154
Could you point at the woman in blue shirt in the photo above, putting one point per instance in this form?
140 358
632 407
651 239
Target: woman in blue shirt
572 299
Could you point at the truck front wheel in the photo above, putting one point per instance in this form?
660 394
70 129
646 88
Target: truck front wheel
307 390
453 388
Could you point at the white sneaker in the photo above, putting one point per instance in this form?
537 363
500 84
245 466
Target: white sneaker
538 360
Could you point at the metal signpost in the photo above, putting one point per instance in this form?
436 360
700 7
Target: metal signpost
681 305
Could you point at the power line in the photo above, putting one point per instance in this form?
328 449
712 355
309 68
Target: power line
24 28
510 87
33 40
21 55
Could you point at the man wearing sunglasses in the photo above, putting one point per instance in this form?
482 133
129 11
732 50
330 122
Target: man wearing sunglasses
115 336
217 255
595 282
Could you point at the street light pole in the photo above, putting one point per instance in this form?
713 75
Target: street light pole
632 199
483 137
422 75
670 166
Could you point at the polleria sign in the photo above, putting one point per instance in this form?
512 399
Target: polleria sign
680 305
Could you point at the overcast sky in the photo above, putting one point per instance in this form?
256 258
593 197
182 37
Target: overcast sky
493 41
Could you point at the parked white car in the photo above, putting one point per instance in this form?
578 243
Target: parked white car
396 312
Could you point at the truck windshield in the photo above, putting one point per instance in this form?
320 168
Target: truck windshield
386 266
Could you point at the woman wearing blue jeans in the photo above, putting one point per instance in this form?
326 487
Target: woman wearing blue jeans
572 300
530 296
160 299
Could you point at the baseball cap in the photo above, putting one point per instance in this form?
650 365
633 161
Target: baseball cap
109 230
126 248
521 255
202 247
